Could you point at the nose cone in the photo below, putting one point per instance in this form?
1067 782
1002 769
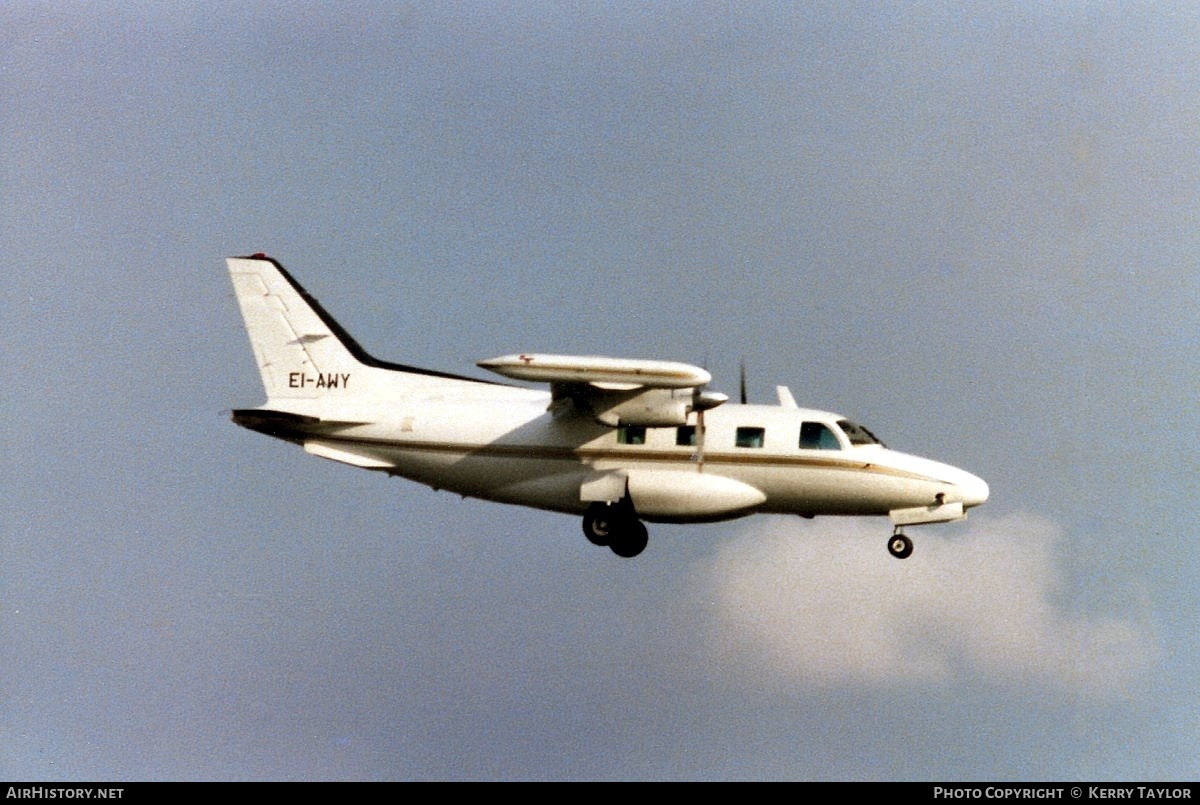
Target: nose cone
974 489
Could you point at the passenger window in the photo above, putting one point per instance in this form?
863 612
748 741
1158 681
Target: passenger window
631 434
816 436
685 436
750 437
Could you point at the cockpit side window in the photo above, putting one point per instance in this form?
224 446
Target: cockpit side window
857 434
817 436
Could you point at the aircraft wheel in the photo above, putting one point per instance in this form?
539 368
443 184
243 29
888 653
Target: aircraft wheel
598 524
630 540
900 546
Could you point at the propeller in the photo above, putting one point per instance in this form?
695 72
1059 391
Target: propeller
702 400
742 381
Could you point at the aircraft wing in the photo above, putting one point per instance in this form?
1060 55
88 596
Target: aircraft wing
616 391
598 371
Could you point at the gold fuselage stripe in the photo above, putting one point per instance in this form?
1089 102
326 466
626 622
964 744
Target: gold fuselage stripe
592 455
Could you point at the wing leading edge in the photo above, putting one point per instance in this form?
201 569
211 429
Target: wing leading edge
603 372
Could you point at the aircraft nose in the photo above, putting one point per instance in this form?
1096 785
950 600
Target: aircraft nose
974 490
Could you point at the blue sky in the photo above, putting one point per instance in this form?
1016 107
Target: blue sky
973 229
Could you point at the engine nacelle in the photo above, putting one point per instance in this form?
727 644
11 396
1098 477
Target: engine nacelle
651 408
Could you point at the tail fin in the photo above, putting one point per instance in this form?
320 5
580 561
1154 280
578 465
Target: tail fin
301 351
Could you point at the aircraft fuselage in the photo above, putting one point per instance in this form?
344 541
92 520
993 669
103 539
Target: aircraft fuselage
507 447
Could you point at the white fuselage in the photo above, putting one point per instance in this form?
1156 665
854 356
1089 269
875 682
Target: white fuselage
506 444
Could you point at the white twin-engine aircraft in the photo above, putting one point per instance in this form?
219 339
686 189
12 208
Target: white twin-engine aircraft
616 441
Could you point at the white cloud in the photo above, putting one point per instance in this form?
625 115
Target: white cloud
823 604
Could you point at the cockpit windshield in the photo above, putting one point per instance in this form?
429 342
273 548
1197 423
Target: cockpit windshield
857 434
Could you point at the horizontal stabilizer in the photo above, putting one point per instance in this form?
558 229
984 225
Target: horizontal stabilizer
285 424
340 453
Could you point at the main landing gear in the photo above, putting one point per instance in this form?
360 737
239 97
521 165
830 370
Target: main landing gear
616 526
899 545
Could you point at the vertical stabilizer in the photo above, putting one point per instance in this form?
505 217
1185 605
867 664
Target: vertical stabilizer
303 353
299 349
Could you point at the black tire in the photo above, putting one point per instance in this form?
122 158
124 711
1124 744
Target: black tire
900 546
599 524
630 540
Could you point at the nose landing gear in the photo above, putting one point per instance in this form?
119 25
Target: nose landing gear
899 545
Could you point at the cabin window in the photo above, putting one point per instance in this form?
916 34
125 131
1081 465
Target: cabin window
685 436
817 436
750 437
631 434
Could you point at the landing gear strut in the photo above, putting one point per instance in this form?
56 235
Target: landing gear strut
900 546
616 526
